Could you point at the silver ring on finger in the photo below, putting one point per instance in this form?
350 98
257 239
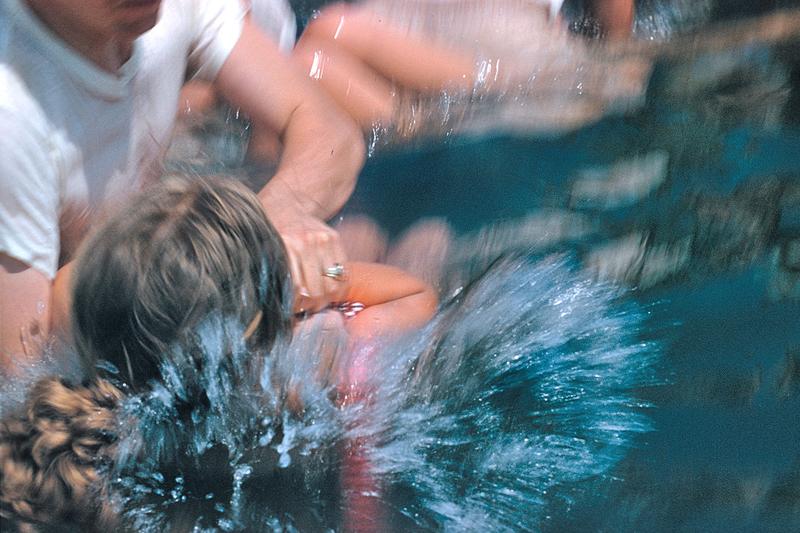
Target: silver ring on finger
336 272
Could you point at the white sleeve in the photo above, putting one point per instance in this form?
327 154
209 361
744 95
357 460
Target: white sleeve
217 27
276 19
29 194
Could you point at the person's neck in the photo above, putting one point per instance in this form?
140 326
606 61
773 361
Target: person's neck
108 53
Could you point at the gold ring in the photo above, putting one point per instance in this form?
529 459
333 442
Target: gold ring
335 272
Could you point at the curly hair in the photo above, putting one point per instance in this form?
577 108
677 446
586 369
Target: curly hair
53 455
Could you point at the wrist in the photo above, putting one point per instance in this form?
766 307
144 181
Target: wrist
279 202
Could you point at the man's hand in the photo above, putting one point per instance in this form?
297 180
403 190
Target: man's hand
323 151
312 246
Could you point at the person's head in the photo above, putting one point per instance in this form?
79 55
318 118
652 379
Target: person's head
98 20
182 252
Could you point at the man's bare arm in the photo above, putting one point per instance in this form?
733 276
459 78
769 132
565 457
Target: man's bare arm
323 148
323 151
24 312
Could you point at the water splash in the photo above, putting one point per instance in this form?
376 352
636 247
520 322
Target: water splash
520 389
517 391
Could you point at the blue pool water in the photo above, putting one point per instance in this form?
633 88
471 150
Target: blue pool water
725 454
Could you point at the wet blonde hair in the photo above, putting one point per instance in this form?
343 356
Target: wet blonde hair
181 251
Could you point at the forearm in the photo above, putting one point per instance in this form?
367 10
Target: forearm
25 311
392 318
323 149
394 300
318 167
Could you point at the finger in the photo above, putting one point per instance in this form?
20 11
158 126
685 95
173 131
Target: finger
338 289
331 254
301 292
310 264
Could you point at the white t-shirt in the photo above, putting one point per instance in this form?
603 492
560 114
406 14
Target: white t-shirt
275 18
74 139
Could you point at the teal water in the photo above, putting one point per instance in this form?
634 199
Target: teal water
725 454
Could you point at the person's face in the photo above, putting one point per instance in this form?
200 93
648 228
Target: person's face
99 19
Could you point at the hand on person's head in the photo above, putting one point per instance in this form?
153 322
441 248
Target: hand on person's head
314 249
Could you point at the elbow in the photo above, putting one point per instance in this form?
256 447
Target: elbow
355 145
